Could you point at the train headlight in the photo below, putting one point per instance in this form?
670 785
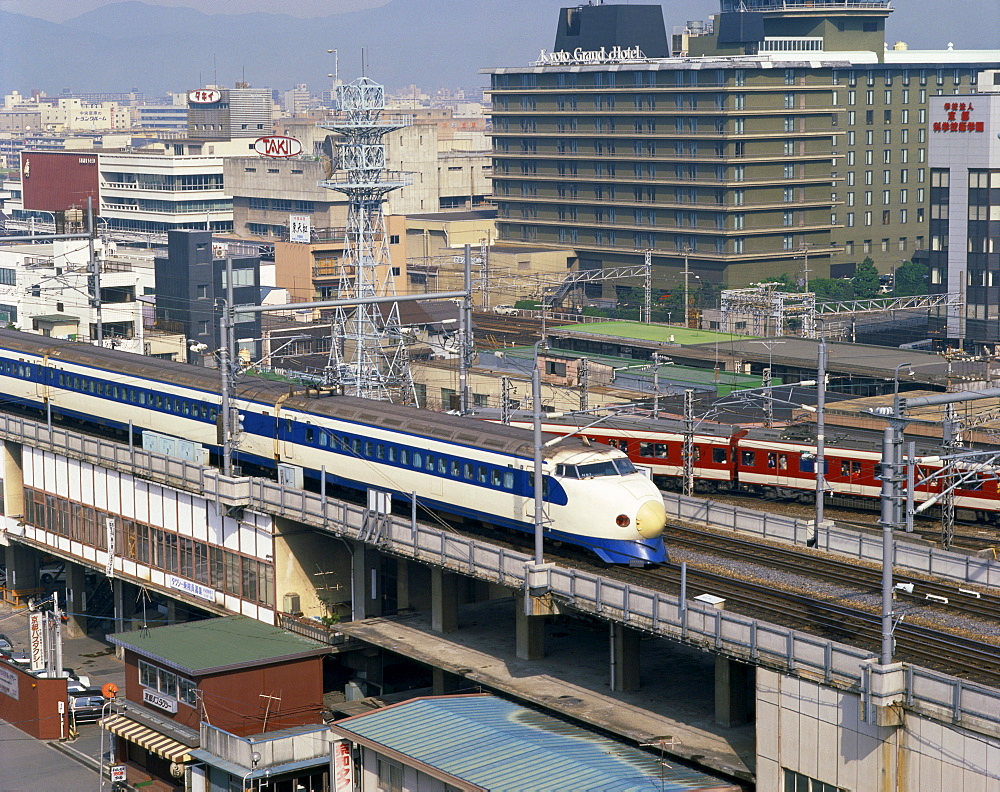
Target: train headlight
651 519
622 520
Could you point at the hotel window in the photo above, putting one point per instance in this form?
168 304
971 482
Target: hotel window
904 196
886 177
789 194
850 199
869 137
902 243
852 97
868 177
850 138
850 179
866 246
869 97
868 197
888 97
789 218
789 124
851 118
868 219
885 245
886 200
788 242
850 159
850 219
789 147
921 135
789 171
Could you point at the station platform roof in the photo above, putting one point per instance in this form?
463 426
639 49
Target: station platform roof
499 745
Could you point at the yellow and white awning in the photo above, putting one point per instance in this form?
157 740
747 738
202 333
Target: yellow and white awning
147 738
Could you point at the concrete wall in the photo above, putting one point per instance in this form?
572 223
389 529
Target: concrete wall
314 566
817 731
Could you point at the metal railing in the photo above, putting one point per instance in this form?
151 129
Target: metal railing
750 640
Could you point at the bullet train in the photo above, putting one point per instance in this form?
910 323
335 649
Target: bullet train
594 497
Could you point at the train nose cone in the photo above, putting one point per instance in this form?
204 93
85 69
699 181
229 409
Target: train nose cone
651 519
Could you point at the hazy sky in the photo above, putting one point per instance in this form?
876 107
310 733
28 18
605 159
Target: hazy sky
61 10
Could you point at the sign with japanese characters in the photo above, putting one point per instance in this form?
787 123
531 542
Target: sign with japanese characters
166 703
298 228
342 766
204 96
959 119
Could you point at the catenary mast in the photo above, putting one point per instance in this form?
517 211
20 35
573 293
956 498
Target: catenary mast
368 358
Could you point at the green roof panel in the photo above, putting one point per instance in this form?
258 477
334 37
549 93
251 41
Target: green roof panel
220 644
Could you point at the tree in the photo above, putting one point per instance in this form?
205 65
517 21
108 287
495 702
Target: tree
865 280
911 279
831 289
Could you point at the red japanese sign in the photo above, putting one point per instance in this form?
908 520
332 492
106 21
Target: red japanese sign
959 119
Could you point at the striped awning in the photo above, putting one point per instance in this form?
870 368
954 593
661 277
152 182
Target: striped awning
143 736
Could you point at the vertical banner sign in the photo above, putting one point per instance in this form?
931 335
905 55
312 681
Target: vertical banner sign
109 524
37 641
343 766
298 228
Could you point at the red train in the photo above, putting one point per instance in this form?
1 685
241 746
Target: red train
774 463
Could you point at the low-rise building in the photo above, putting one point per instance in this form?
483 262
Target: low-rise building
240 675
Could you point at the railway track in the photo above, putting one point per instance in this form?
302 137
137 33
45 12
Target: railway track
943 650
972 601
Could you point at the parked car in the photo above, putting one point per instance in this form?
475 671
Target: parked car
505 310
51 573
8 652
86 705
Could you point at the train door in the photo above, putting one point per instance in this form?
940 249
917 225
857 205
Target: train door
285 426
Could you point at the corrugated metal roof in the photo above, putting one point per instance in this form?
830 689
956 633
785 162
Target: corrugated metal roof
501 746
217 644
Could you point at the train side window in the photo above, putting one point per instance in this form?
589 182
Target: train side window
356 446
185 407
310 434
380 451
142 397
369 448
467 471
495 477
772 459
323 440
748 458
76 383
213 415
719 456
508 479
418 459
429 463
782 461
392 453
443 466
973 484
482 474
404 456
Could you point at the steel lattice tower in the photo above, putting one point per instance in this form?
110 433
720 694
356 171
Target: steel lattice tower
368 356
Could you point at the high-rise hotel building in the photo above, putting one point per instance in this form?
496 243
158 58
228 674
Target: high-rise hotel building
788 139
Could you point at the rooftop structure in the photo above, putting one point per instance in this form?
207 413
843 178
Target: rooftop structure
516 748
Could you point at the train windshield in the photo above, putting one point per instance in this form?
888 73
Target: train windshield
613 467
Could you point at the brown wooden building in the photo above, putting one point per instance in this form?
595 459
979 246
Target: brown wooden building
239 674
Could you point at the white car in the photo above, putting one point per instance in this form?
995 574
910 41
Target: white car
505 310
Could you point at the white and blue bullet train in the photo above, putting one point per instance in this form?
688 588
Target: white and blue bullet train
594 497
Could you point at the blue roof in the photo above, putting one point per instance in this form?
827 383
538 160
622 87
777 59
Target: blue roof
500 746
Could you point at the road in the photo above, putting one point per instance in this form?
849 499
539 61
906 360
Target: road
29 765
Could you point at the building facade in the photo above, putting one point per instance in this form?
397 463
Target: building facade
791 142
964 192
226 113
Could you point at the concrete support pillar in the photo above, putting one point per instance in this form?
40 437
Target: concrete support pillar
171 611
22 568
366 599
733 683
444 682
12 469
402 585
117 586
529 633
444 601
76 601
625 655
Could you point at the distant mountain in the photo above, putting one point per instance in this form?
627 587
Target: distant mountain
433 43
155 48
